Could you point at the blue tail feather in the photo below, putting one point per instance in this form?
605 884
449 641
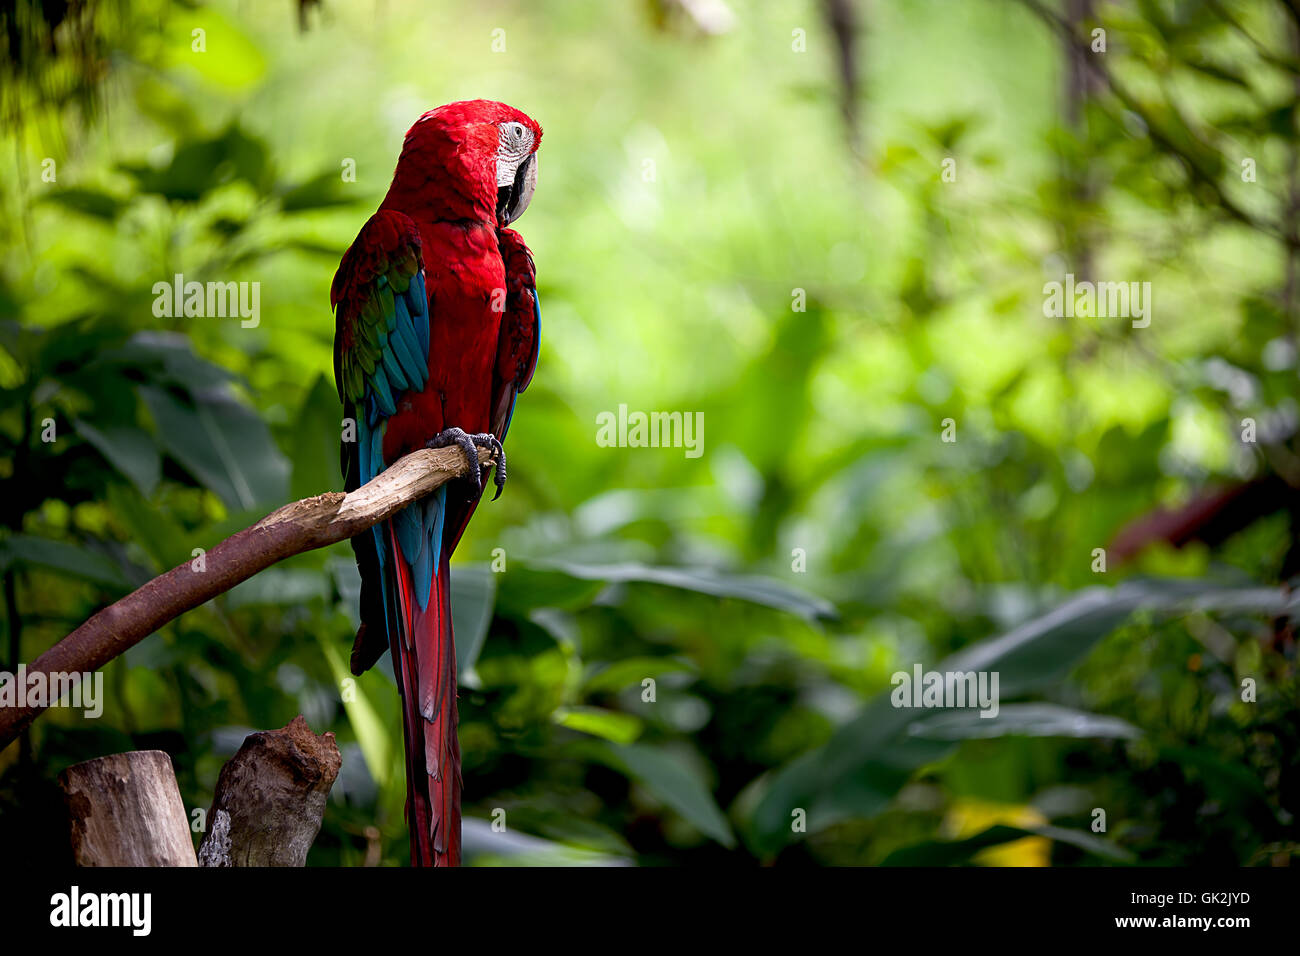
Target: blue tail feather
424 569
370 461
408 527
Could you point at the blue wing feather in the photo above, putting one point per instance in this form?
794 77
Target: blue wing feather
404 348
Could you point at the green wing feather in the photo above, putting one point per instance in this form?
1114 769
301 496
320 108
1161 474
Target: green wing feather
381 339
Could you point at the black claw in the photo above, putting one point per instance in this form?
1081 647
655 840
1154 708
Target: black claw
499 456
456 436
470 444
499 473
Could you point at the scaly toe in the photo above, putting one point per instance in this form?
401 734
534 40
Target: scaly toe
463 441
499 457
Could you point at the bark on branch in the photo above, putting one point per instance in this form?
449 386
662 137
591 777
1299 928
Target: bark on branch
297 527
126 810
270 798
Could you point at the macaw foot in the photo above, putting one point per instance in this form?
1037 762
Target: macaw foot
470 445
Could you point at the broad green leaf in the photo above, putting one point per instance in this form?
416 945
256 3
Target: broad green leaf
90 202
66 558
322 191
485 845
163 358
608 724
1046 648
375 739
473 597
524 588
868 759
223 444
312 441
129 449
675 783
1030 720
155 530
752 588
608 678
347 579
279 586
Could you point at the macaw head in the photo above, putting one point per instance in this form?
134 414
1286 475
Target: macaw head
475 160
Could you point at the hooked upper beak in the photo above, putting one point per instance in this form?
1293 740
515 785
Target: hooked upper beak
512 200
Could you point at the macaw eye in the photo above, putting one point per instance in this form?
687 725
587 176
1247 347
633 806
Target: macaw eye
517 129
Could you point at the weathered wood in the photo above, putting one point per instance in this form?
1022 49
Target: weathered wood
270 798
297 527
126 810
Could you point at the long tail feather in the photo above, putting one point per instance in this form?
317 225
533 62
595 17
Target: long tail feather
424 657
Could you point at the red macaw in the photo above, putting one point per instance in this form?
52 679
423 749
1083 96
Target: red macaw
436 332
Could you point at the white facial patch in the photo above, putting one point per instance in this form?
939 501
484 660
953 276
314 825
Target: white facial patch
516 142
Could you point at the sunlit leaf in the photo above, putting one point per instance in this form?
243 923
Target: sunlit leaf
375 738
607 724
614 676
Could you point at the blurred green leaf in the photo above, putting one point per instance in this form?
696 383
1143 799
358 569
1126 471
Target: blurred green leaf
956 852
130 450
223 444
374 735
870 757
313 442
484 845
752 588
473 598
199 166
64 557
608 678
322 191
676 784
607 724
281 586
1030 720
90 202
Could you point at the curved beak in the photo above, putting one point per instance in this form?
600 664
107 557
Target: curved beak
512 200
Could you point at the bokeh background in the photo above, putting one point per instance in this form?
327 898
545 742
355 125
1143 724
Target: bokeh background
743 211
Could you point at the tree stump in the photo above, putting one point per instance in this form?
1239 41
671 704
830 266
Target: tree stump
270 798
126 810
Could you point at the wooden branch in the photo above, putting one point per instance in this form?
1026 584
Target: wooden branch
126 810
270 798
301 526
